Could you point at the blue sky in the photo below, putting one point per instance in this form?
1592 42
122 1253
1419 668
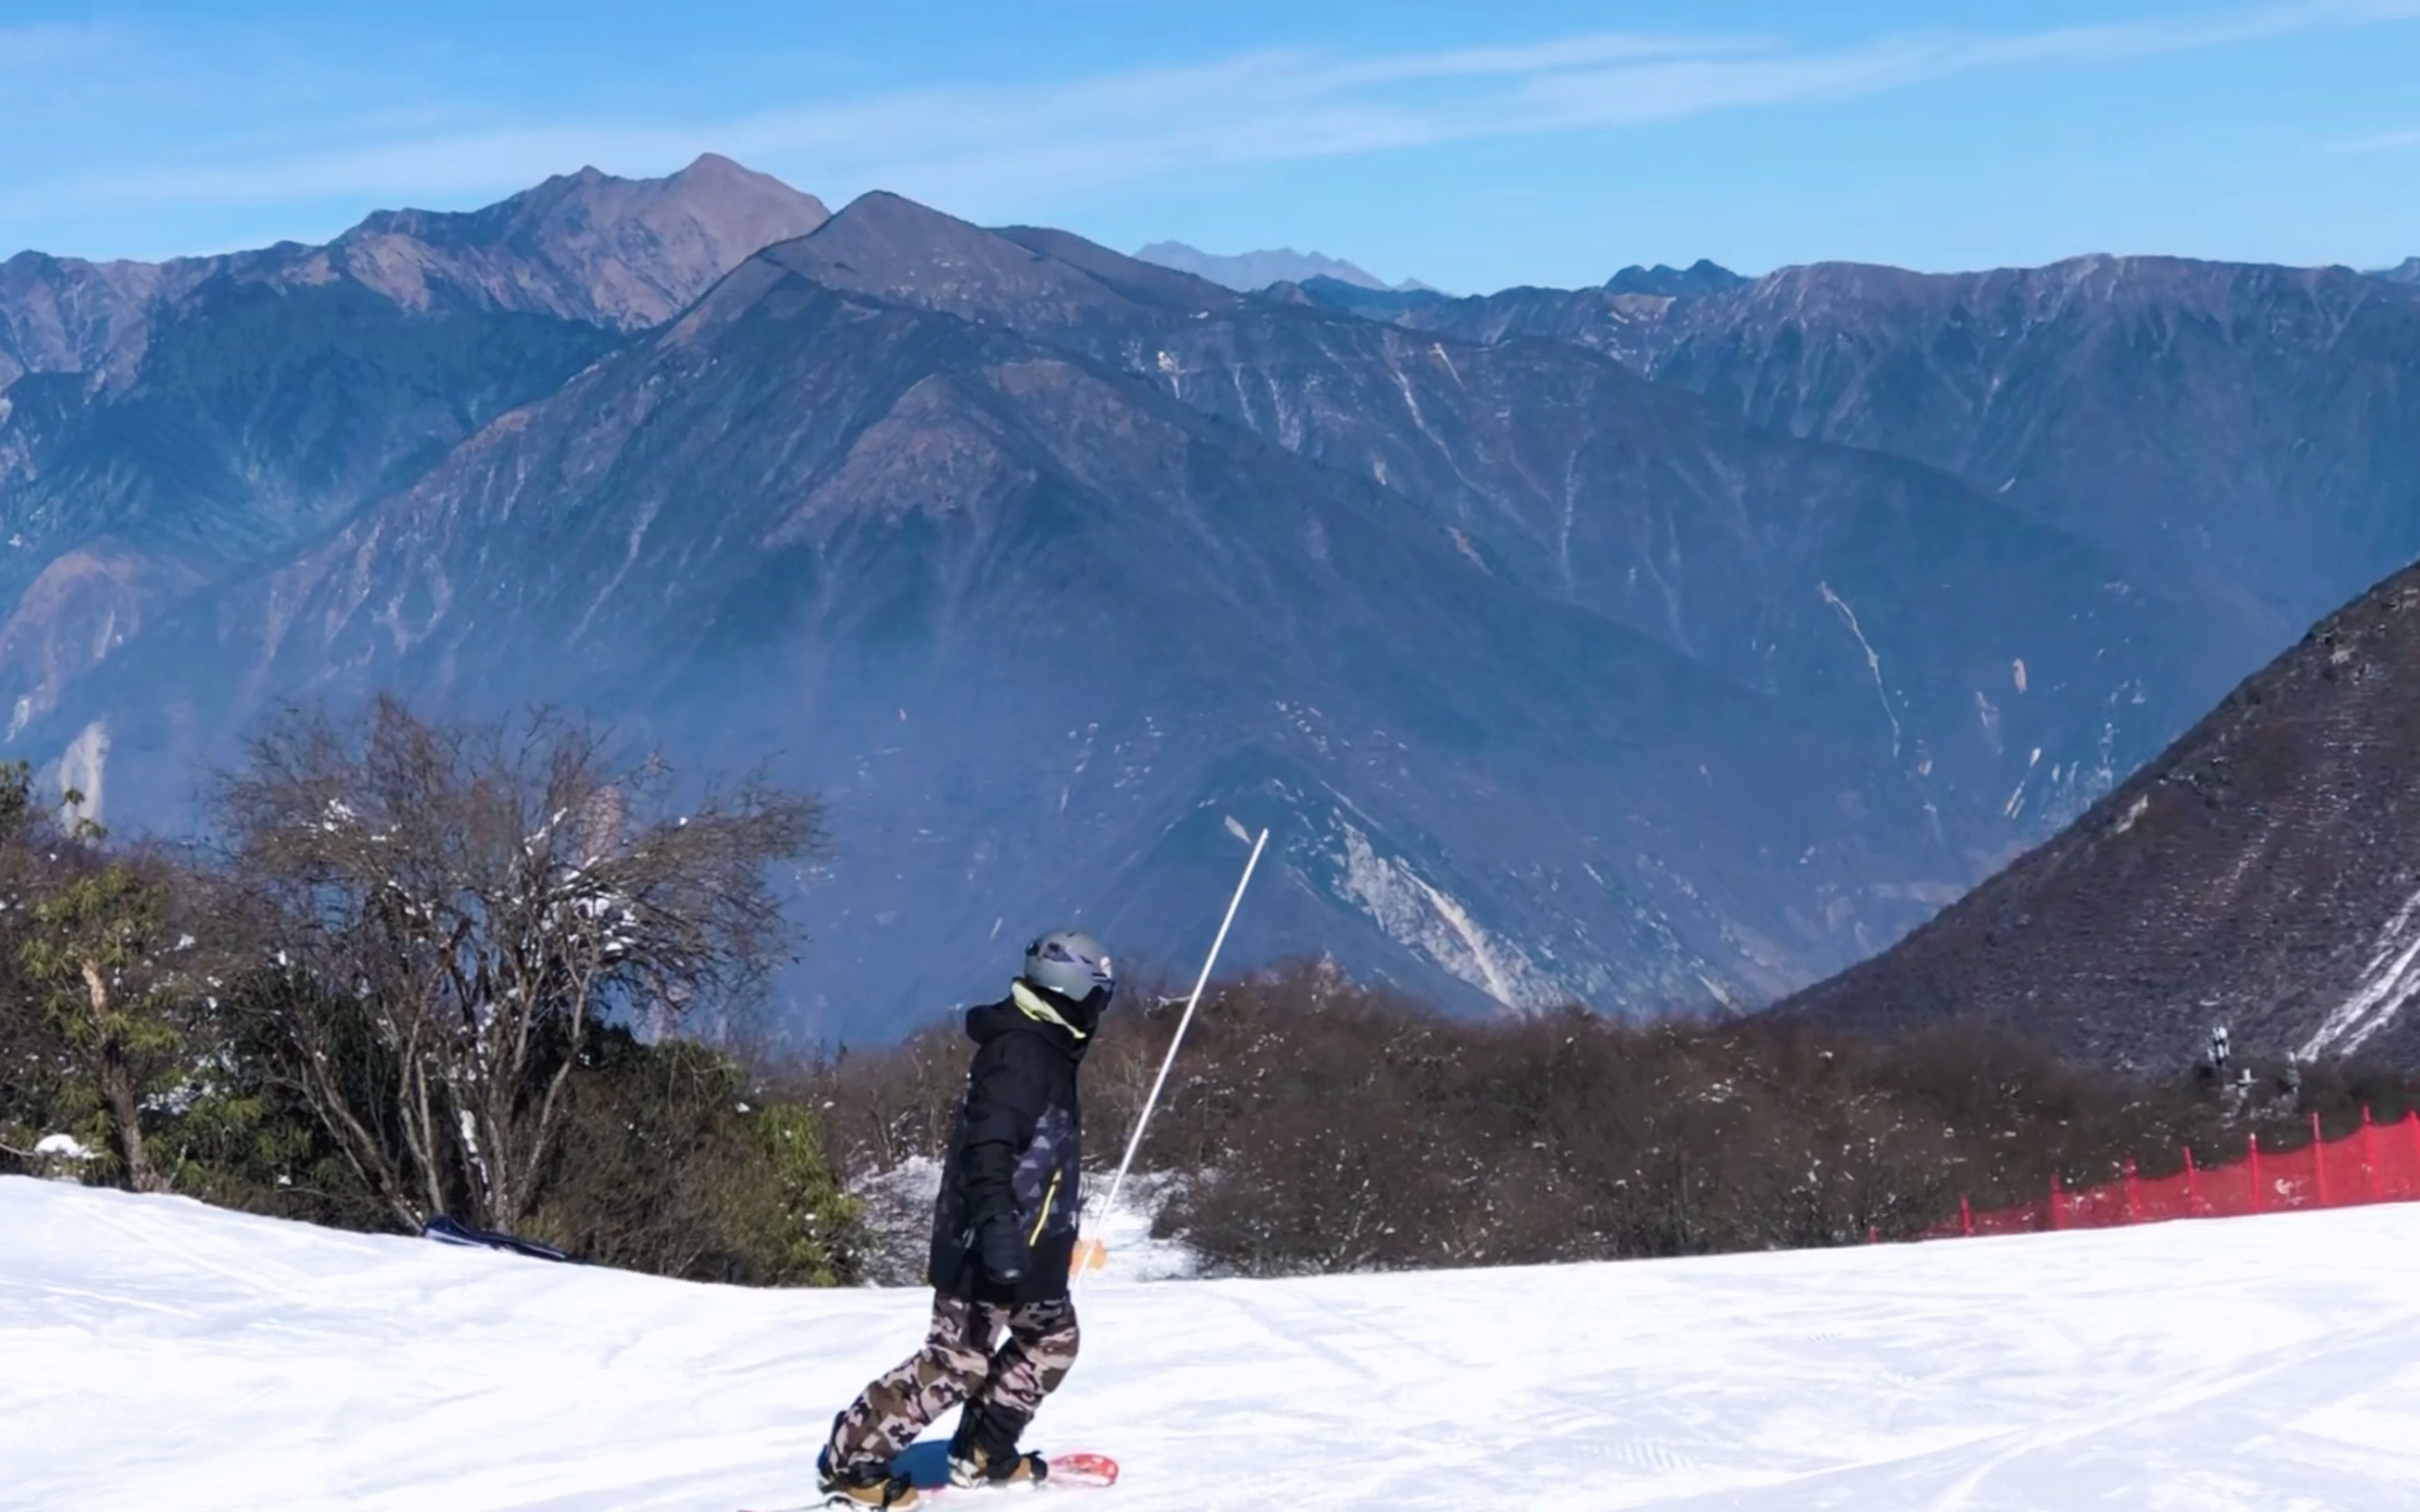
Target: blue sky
1470 144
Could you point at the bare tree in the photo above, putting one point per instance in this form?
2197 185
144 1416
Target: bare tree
451 909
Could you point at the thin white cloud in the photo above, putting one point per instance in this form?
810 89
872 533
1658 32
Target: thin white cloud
2382 142
54 44
989 149
1564 53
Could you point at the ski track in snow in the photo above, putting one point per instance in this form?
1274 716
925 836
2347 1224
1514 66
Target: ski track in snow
164 1355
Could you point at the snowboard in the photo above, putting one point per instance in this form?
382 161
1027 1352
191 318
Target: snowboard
931 1473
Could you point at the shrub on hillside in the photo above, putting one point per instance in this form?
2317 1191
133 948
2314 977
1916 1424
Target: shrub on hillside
1316 1126
672 1164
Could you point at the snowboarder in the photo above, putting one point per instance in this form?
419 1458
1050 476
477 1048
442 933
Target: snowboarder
1003 1241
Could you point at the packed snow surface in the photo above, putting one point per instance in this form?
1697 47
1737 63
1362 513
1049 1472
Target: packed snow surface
155 1354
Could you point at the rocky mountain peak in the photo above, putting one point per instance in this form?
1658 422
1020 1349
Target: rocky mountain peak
1704 276
617 252
1246 271
62 314
894 249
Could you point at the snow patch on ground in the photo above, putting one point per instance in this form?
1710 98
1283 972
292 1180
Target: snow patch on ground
165 1355
2134 811
82 766
1415 913
2388 985
1125 1230
898 1208
1874 659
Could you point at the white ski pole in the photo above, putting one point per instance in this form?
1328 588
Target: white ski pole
1091 1255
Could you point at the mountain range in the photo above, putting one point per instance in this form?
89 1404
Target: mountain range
2238 435
164 427
1664 645
1246 271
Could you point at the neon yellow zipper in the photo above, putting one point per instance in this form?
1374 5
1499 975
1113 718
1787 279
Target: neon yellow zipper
1048 1198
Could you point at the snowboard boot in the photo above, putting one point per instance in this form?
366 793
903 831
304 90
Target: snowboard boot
983 1450
978 1468
875 1485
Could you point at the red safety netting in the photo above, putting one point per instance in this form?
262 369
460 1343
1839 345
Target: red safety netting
2376 1162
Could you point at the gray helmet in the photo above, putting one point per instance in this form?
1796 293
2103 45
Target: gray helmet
1071 964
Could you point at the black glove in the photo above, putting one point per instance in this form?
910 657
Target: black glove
1004 1255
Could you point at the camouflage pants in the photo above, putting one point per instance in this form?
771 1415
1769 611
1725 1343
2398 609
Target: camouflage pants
959 1364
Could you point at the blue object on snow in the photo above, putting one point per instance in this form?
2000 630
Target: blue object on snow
446 1231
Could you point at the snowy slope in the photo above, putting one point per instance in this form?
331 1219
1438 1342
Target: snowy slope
156 1354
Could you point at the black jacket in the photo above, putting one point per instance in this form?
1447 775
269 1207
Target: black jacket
1017 1154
